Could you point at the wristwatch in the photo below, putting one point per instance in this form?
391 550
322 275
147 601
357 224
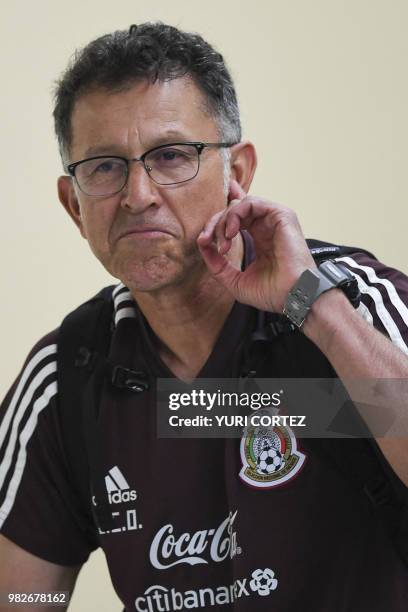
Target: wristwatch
312 283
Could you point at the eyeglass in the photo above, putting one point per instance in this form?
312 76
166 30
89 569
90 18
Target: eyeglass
168 164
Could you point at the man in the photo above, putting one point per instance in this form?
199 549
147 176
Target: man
157 180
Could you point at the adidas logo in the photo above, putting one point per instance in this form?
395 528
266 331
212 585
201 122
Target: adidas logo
117 487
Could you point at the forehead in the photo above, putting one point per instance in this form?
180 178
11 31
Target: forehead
140 117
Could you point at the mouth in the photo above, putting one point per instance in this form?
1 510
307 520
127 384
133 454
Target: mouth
145 232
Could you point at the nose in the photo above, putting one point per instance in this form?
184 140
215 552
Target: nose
139 192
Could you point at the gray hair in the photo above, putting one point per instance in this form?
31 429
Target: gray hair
150 51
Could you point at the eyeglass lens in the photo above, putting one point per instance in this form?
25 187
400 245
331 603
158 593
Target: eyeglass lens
166 165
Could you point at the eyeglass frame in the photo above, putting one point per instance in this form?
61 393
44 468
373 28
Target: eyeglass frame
200 146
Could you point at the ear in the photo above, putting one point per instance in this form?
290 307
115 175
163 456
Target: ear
243 163
69 200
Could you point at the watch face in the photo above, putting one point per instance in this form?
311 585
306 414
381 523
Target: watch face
295 311
336 273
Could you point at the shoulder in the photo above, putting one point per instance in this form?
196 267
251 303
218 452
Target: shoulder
384 295
39 370
38 374
383 289
44 349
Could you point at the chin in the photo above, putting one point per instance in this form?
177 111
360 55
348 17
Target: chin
151 274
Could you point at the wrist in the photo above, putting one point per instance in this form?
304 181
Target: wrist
328 316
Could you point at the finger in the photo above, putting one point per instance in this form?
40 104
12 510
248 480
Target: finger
250 209
235 191
220 267
233 225
207 234
223 243
241 214
227 228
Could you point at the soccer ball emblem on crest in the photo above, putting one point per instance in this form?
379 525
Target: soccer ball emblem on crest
269 460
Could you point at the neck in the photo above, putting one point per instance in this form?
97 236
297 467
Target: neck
188 318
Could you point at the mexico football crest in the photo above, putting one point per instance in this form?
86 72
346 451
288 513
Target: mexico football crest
269 456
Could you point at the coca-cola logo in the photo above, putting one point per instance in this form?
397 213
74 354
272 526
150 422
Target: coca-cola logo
203 546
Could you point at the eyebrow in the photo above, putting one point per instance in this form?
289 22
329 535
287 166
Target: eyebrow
114 149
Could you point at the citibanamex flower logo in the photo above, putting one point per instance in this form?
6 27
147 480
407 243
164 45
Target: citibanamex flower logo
263 581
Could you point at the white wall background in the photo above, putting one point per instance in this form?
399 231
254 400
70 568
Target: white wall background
324 97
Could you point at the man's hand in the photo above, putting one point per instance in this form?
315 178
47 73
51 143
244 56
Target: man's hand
281 250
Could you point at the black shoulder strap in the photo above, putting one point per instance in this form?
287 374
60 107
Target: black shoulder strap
83 335
83 343
84 366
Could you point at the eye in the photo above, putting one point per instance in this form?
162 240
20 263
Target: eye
107 166
172 155
103 168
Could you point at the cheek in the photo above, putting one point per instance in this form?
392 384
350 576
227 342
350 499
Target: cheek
203 201
97 221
